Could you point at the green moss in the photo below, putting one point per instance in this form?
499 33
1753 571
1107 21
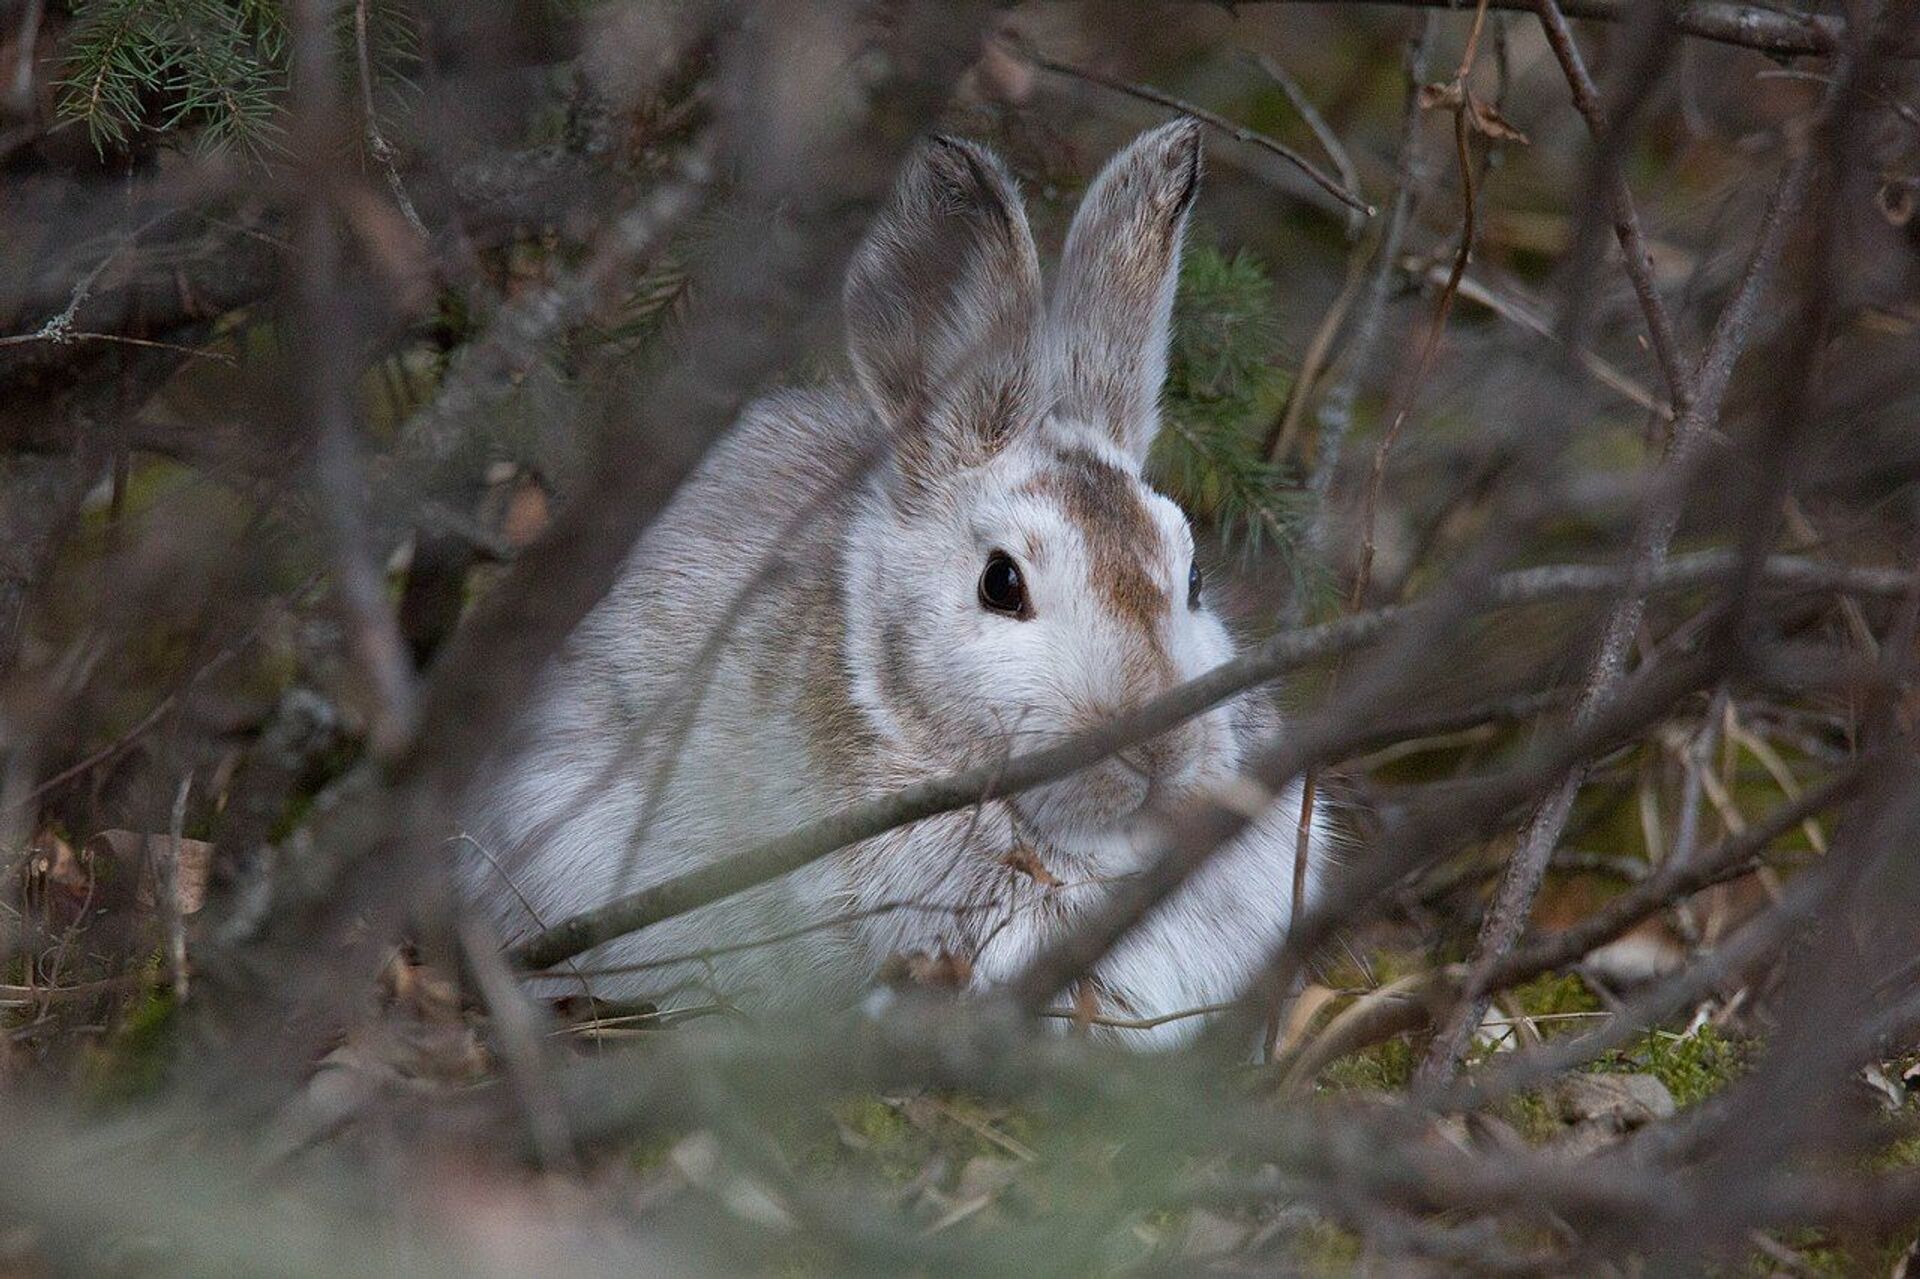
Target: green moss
1553 994
1325 1249
135 1060
1903 1152
1693 1067
1532 1116
1384 1067
877 1122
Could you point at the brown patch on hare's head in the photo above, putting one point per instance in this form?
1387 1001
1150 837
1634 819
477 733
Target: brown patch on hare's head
1106 506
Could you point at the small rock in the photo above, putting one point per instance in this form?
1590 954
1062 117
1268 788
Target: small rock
1615 1103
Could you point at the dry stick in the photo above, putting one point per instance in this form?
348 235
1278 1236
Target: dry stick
1313 361
1747 26
1310 781
1335 415
1408 1008
1507 914
519 1027
324 349
1239 132
1637 256
377 144
72 335
1284 652
1522 315
1443 306
1317 124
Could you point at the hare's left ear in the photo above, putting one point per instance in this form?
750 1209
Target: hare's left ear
1113 307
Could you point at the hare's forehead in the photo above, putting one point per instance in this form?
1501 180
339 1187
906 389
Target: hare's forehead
1073 501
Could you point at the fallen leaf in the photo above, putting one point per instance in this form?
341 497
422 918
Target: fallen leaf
143 855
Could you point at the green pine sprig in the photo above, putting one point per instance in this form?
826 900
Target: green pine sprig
211 71
1222 390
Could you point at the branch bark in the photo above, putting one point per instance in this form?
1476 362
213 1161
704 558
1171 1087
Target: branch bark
1513 901
1764 30
1284 652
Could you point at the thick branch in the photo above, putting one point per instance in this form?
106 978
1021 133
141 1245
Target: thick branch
1513 901
1286 651
1747 26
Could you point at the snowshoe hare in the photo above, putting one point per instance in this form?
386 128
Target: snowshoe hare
997 577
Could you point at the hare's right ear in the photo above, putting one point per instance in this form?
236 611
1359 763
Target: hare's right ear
943 312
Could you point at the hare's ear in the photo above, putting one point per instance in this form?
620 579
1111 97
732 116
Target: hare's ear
1113 306
943 311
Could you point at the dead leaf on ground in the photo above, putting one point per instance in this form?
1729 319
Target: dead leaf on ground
141 854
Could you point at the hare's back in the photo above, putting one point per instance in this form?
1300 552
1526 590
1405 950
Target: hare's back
764 503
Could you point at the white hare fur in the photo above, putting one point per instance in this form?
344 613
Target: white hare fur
859 654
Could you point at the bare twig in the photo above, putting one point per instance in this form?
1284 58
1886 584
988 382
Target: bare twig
1284 652
1637 257
1442 307
1329 141
1513 901
1335 415
324 366
1526 317
1215 120
377 145
1747 26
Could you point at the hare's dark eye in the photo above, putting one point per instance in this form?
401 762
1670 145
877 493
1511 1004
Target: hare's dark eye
1193 586
1001 587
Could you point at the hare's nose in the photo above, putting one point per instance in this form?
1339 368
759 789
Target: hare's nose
1160 757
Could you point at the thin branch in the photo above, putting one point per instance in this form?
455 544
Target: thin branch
323 366
1442 307
1767 30
1637 256
1081 1017
1284 652
377 145
1513 902
1328 139
1524 316
1335 414
1213 119
73 335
